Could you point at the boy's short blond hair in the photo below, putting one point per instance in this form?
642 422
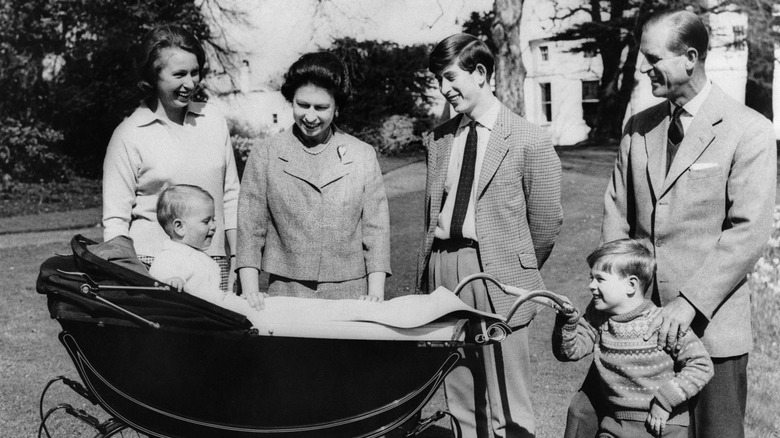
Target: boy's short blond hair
625 257
174 201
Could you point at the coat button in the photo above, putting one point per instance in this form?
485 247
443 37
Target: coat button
658 242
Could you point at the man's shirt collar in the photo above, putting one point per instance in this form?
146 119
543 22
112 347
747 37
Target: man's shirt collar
694 105
488 119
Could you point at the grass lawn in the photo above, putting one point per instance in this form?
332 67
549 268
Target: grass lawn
30 353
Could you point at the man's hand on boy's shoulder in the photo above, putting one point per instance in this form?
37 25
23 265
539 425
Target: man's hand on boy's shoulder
672 324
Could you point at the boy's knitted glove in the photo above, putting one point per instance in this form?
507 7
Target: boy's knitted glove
568 316
571 314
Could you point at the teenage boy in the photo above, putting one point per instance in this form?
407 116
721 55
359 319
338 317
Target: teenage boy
492 202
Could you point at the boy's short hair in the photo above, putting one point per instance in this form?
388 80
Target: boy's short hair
466 49
625 257
174 201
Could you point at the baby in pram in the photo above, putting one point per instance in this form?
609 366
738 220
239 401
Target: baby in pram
186 213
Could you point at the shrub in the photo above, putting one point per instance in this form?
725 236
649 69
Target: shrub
765 301
27 155
396 135
244 138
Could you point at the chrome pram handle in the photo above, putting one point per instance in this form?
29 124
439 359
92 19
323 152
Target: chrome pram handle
543 297
90 289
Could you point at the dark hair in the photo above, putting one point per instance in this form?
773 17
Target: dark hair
322 69
146 62
625 257
686 30
466 49
174 202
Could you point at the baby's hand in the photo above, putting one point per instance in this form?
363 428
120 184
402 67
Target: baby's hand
372 298
176 283
656 420
256 299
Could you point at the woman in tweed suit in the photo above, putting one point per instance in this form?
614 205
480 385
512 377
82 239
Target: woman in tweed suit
312 209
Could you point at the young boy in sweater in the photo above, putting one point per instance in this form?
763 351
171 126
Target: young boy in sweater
186 213
645 388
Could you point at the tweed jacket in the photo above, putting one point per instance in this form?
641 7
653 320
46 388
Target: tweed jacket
518 211
708 219
325 222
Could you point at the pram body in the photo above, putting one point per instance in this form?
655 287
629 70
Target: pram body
206 372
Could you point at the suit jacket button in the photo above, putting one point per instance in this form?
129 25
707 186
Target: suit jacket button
658 242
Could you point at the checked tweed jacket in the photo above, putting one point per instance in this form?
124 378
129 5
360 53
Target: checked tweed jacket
518 211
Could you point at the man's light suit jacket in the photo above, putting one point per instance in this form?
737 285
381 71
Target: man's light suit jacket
518 211
708 219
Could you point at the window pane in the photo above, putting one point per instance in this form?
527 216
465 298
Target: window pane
547 100
590 90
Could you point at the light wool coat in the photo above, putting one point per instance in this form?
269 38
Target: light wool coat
326 222
518 211
708 219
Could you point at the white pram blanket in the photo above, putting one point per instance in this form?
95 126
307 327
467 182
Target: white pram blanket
438 316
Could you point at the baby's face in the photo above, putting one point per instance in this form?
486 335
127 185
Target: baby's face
198 224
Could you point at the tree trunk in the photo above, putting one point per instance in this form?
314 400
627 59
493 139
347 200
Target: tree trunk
761 57
510 71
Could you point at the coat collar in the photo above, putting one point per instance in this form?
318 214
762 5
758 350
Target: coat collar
337 155
143 115
497 148
700 135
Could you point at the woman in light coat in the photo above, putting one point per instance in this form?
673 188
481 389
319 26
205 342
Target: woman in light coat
313 211
170 139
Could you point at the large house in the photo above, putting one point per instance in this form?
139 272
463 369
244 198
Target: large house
561 87
251 106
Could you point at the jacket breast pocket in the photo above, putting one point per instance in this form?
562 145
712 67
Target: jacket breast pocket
697 172
528 260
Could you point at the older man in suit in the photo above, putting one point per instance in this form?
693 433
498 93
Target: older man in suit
492 205
696 175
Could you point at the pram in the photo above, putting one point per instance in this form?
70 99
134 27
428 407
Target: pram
168 364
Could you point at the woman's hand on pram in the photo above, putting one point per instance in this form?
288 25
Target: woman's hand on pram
372 298
256 299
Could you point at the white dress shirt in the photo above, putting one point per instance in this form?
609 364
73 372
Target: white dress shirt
484 125
693 106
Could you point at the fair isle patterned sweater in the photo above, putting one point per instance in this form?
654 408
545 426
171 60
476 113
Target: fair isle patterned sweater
633 372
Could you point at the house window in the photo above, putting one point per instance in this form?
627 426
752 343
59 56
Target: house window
547 101
739 37
590 102
276 118
545 53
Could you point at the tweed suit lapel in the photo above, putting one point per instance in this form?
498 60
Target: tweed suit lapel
655 147
497 148
317 180
340 168
700 136
443 148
